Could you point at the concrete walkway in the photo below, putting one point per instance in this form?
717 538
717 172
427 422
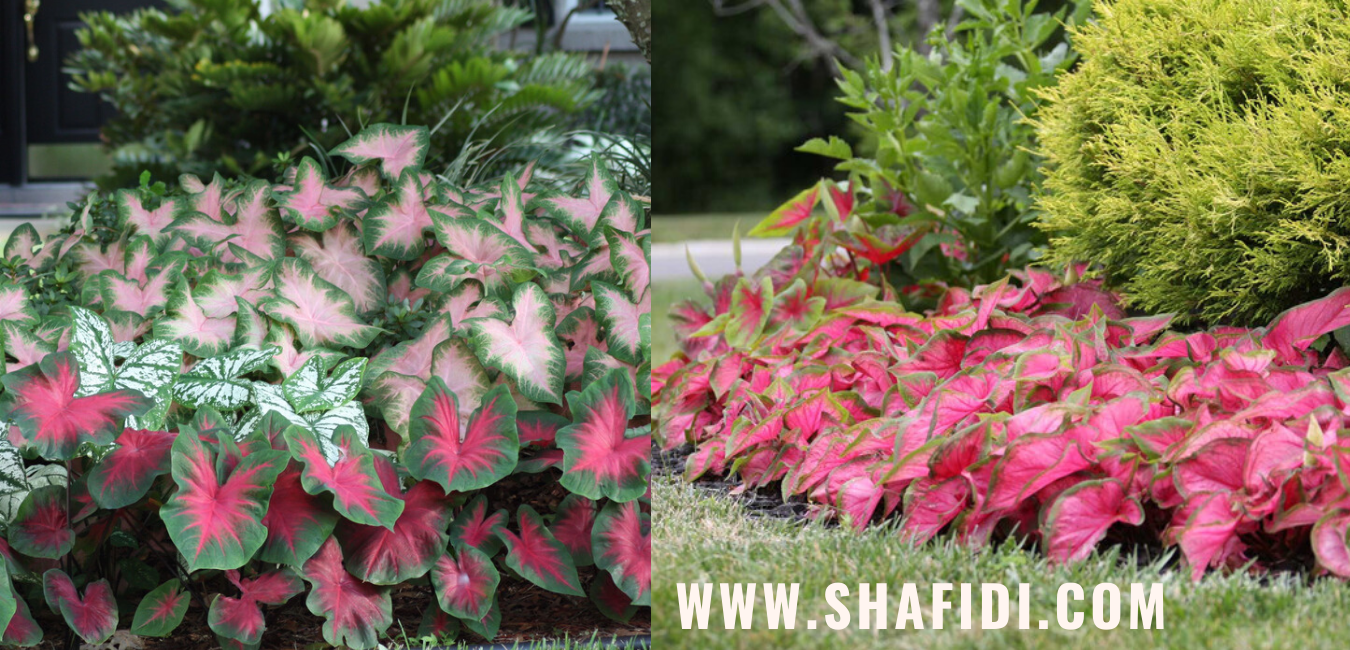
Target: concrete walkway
715 257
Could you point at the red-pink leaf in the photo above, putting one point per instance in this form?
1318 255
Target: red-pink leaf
125 475
41 526
1031 463
386 556
1082 514
356 613
240 618
602 456
42 403
540 558
161 611
622 540
357 492
93 617
572 525
1294 330
465 582
297 522
475 528
463 457
215 518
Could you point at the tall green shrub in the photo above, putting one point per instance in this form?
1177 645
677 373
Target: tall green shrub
1200 155
215 86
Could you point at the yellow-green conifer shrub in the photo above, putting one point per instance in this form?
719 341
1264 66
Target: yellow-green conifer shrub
1200 154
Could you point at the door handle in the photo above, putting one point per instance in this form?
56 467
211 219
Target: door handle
30 9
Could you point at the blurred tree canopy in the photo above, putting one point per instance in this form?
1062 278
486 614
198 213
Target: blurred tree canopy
735 98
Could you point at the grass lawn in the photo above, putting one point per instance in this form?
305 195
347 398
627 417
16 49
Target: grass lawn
673 228
703 538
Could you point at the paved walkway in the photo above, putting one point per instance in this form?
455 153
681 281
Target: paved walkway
713 256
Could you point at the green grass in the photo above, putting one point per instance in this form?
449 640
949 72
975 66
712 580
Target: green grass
401 641
684 227
703 538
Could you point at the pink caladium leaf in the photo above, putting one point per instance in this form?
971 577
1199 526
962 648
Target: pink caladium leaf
215 517
397 148
125 475
465 582
572 524
153 223
524 348
41 526
475 528
386 556
751 304
627 324
1081 515
145 296
14 305
1030 464
475 250
1331 544
93 617
336 257
788 216
241 618
602 456
395 227
631 259
297 522
467 456
512 210
23 243
254 228
320 313
355 613
40 399
312 203
622 542
539 557
188 324
162 610
1296 329
581 215
345 468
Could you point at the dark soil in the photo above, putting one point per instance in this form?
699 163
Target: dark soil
763 502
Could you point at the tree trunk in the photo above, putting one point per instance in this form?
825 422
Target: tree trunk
636 15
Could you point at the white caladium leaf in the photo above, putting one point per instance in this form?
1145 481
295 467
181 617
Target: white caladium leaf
312 203
526 348
396 147
320 313
12 476
216 382
623 323
148 368
312 389
186 323
271 398
91 342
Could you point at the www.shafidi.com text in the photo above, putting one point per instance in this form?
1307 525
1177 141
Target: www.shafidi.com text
879 606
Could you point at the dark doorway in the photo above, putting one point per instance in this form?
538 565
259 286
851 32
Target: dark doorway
38 106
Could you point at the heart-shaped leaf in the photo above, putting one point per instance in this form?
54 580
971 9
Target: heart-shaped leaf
125 475
311 388
241 618
297 522
355 613
467 457
388 556
162 610
622 539
41 400
396 147
465 583
41 528
525 348
348 473
602 456
538 557
93 617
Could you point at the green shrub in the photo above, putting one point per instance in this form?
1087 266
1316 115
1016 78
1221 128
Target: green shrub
950 133
217 87
1199 154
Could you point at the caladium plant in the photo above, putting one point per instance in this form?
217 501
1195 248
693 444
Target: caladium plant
1033 404
311 385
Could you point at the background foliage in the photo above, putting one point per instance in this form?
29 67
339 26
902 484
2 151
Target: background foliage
213 86
1198 155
